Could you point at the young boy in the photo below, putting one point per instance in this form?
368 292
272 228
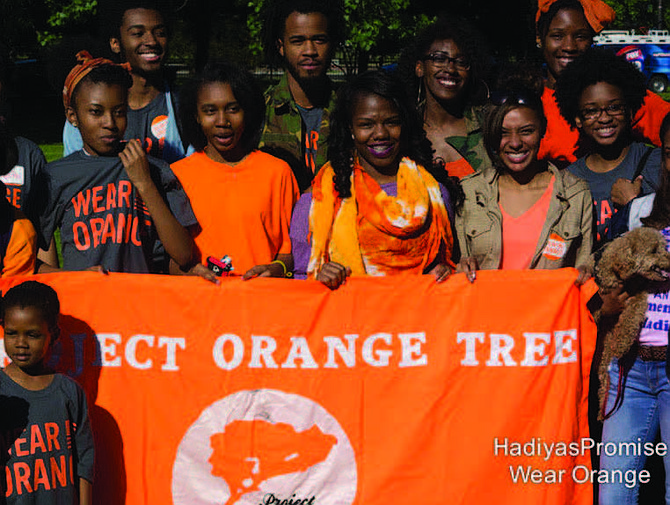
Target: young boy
45 438
111 203
139 36
599 93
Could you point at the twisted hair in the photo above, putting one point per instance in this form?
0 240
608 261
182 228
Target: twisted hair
247 93
414 143
598 64
276 12
37 295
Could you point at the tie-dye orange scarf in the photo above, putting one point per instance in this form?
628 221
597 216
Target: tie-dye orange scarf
376 234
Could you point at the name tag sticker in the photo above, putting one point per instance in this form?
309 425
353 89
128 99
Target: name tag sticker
555 248
16 177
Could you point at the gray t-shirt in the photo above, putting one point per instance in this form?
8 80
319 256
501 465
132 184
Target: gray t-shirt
601 183
46 442
21 179
149 125
102 219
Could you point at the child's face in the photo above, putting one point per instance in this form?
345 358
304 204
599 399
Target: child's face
603 116
99 112
221 118
27 337
376 126
665 151
143 40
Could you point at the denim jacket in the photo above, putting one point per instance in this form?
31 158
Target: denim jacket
567 235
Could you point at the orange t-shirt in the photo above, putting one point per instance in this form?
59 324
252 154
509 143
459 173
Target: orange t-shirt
521 234
22 248
560 141
244 211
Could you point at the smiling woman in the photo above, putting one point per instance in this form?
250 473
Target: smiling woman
373 209
523 213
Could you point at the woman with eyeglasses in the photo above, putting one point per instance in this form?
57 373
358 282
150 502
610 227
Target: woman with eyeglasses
565 30
522 213
599 93
443 69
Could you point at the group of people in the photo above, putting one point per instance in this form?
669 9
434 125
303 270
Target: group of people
428 167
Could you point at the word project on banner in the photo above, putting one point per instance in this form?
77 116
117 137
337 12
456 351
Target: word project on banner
385 391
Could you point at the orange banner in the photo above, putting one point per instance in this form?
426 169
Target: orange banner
386 391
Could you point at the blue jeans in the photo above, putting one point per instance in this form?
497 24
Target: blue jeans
644 410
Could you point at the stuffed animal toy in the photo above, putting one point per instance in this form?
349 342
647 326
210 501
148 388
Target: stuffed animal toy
638 260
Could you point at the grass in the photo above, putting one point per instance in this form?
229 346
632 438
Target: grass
52 152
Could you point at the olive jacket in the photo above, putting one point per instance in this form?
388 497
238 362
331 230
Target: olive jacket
566 239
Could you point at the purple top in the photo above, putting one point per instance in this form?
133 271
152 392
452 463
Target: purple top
301 247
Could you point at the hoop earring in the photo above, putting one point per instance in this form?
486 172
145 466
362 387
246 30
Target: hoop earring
420 95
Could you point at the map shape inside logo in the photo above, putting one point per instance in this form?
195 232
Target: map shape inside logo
257 443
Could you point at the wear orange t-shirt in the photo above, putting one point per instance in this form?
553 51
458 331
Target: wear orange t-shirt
521 234
22 248
244 211
560 141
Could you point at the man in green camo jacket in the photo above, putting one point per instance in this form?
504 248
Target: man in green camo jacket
301 36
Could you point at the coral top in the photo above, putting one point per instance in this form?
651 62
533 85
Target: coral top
521 234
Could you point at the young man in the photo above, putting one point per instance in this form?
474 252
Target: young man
140 38
301 36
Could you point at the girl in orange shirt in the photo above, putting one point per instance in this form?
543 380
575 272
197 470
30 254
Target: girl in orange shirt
241 197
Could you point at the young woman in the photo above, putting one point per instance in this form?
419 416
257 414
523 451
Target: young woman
639 381
444 69
111 202
373 209
565 30
242 197
523 212
598 94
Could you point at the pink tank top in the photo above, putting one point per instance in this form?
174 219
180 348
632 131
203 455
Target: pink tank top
521 234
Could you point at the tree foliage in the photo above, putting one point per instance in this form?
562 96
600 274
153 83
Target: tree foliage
640 15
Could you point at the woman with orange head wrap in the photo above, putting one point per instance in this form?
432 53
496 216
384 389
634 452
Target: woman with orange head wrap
565 30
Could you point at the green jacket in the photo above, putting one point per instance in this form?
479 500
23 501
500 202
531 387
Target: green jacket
567 230
284 131
471 146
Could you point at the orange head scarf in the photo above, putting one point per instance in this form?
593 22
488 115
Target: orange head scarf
81 70
597 12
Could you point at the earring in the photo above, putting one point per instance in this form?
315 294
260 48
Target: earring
420 94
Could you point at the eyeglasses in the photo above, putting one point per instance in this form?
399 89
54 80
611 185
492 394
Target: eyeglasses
593 113
443 60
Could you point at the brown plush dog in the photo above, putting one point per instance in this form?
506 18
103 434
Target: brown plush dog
638 260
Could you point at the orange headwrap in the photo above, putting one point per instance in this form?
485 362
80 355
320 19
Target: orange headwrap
597 12
81 70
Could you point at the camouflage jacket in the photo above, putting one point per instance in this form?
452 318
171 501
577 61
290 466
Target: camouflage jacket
284 132
471 146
